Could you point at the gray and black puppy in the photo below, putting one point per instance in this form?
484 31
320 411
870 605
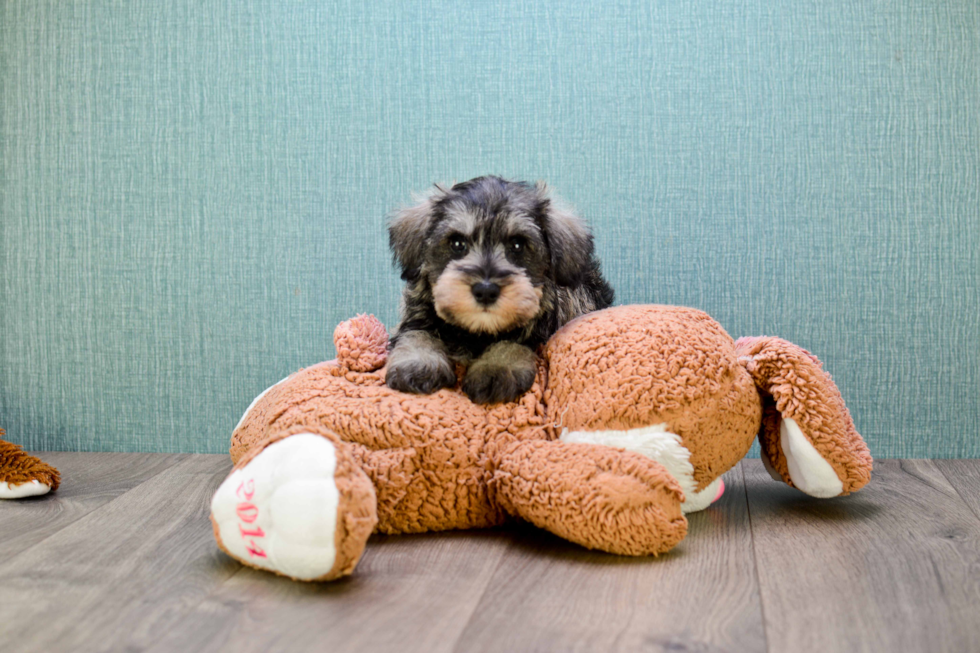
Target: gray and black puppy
492 269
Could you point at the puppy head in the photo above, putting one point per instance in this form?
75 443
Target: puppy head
491 251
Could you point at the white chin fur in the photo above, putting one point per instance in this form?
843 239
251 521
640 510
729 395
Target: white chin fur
476 321
21 490
810 472
657 443
279 512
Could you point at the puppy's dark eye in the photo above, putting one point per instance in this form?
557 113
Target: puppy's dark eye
457 245
517 245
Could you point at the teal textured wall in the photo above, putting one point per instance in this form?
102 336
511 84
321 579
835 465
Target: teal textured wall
192 193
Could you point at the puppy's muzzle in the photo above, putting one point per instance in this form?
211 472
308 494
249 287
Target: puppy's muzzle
485 292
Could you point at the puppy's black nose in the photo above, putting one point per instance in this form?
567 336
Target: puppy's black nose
485 292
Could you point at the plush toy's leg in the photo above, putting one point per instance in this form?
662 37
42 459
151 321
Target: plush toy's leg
408 499
666 448
298 505
602 498
23 475
807 438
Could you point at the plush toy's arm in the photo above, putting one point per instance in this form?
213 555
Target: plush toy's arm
23 475
808 438
600 497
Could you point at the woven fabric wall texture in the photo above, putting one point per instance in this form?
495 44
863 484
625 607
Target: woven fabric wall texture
192 194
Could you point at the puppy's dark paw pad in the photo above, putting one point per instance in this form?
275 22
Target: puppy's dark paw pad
420 379
491 385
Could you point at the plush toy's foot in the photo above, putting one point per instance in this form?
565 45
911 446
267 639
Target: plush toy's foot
299 507
808 439
698 501
23 475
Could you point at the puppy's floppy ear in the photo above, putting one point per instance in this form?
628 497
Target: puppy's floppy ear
569 240
407 229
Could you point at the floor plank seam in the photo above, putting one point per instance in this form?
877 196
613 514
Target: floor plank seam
96 509
479 600
144 575
755 557
959 494
165 644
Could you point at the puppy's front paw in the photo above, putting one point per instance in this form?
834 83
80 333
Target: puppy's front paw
488 383
420 377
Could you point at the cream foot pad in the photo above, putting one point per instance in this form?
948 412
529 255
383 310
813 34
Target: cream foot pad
279 512
20 490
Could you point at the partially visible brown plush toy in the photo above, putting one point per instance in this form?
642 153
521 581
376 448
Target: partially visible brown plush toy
23 475
635 414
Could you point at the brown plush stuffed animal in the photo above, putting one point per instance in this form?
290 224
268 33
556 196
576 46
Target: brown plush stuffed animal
635 414
23 475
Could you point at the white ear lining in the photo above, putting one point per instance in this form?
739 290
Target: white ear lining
810 472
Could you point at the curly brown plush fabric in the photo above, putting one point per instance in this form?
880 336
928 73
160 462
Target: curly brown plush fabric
674 365
795 386
666 382
570 489
18 467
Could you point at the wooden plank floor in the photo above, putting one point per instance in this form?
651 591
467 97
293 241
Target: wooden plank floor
122 559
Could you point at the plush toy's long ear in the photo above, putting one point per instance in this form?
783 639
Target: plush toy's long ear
407 229
808 438
569 240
